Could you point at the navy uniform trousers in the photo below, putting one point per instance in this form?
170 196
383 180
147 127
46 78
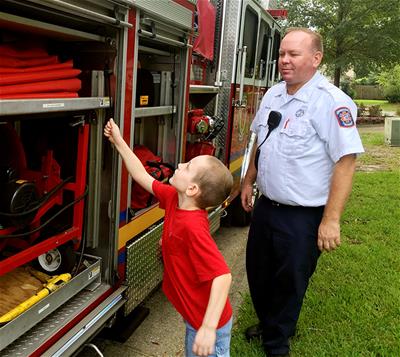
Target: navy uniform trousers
281 256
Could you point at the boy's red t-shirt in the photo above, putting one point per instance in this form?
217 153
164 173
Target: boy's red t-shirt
191 258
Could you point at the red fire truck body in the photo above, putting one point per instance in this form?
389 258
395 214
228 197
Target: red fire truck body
176 87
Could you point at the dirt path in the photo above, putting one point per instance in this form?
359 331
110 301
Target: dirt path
377 157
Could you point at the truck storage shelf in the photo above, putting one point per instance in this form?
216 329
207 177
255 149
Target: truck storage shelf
31 106
21 324
29 343
31 26
154 111
200 89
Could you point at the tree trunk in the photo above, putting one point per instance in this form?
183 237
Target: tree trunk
336 78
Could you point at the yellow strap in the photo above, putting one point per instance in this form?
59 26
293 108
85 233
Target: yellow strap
53 284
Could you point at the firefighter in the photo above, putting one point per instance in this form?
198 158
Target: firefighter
305 171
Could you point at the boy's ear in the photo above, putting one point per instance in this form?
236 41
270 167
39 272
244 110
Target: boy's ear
192 190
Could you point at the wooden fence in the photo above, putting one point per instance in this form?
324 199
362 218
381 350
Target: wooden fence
368 92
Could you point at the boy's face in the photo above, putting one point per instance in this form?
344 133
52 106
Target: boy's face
186 172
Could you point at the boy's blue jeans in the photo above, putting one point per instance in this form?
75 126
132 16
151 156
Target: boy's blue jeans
222 342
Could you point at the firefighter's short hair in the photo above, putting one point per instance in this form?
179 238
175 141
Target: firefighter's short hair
316 37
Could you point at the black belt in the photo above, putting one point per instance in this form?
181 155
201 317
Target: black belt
274 203
278 204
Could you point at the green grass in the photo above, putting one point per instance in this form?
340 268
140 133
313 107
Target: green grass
384 104
352 307
371 139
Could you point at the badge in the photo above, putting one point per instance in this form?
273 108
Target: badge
343 115
299 113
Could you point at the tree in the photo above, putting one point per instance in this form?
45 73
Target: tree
390 83
358 34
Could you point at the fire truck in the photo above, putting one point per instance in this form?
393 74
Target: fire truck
79 241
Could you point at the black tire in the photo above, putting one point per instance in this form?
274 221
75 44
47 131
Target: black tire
239 217
57 261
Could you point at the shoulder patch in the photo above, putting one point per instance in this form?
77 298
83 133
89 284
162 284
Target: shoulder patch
343 116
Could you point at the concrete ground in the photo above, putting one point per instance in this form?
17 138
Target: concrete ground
162 332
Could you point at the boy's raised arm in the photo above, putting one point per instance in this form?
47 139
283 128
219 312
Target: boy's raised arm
132 163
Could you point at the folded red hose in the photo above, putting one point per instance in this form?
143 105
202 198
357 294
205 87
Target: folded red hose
6 61
39 95
20 50
17 78
62 85
49 67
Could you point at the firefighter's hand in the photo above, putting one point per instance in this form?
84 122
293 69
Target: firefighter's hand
204 342
247 197
111 131
328 235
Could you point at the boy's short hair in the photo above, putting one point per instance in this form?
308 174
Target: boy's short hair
215 182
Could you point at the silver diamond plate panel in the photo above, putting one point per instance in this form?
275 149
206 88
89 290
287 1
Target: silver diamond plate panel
209 109
144 267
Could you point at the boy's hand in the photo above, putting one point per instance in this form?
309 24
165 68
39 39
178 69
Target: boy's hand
204 342
111 131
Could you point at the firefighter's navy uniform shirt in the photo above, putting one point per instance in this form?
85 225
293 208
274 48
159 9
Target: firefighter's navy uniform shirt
316 130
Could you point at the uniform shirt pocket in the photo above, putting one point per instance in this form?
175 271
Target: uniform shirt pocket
294 136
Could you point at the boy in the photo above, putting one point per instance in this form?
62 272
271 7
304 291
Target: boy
196 278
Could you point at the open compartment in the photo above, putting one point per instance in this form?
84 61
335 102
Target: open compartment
58 78
158 97
43 190
160 87
46 121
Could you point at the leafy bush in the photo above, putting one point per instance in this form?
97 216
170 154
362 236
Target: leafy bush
361 110
346 87
375 111
390 83
371 79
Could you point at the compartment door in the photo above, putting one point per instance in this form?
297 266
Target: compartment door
244 88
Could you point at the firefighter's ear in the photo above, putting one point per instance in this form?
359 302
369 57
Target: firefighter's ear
192 190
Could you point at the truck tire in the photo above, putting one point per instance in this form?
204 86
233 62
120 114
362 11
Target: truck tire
56 261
